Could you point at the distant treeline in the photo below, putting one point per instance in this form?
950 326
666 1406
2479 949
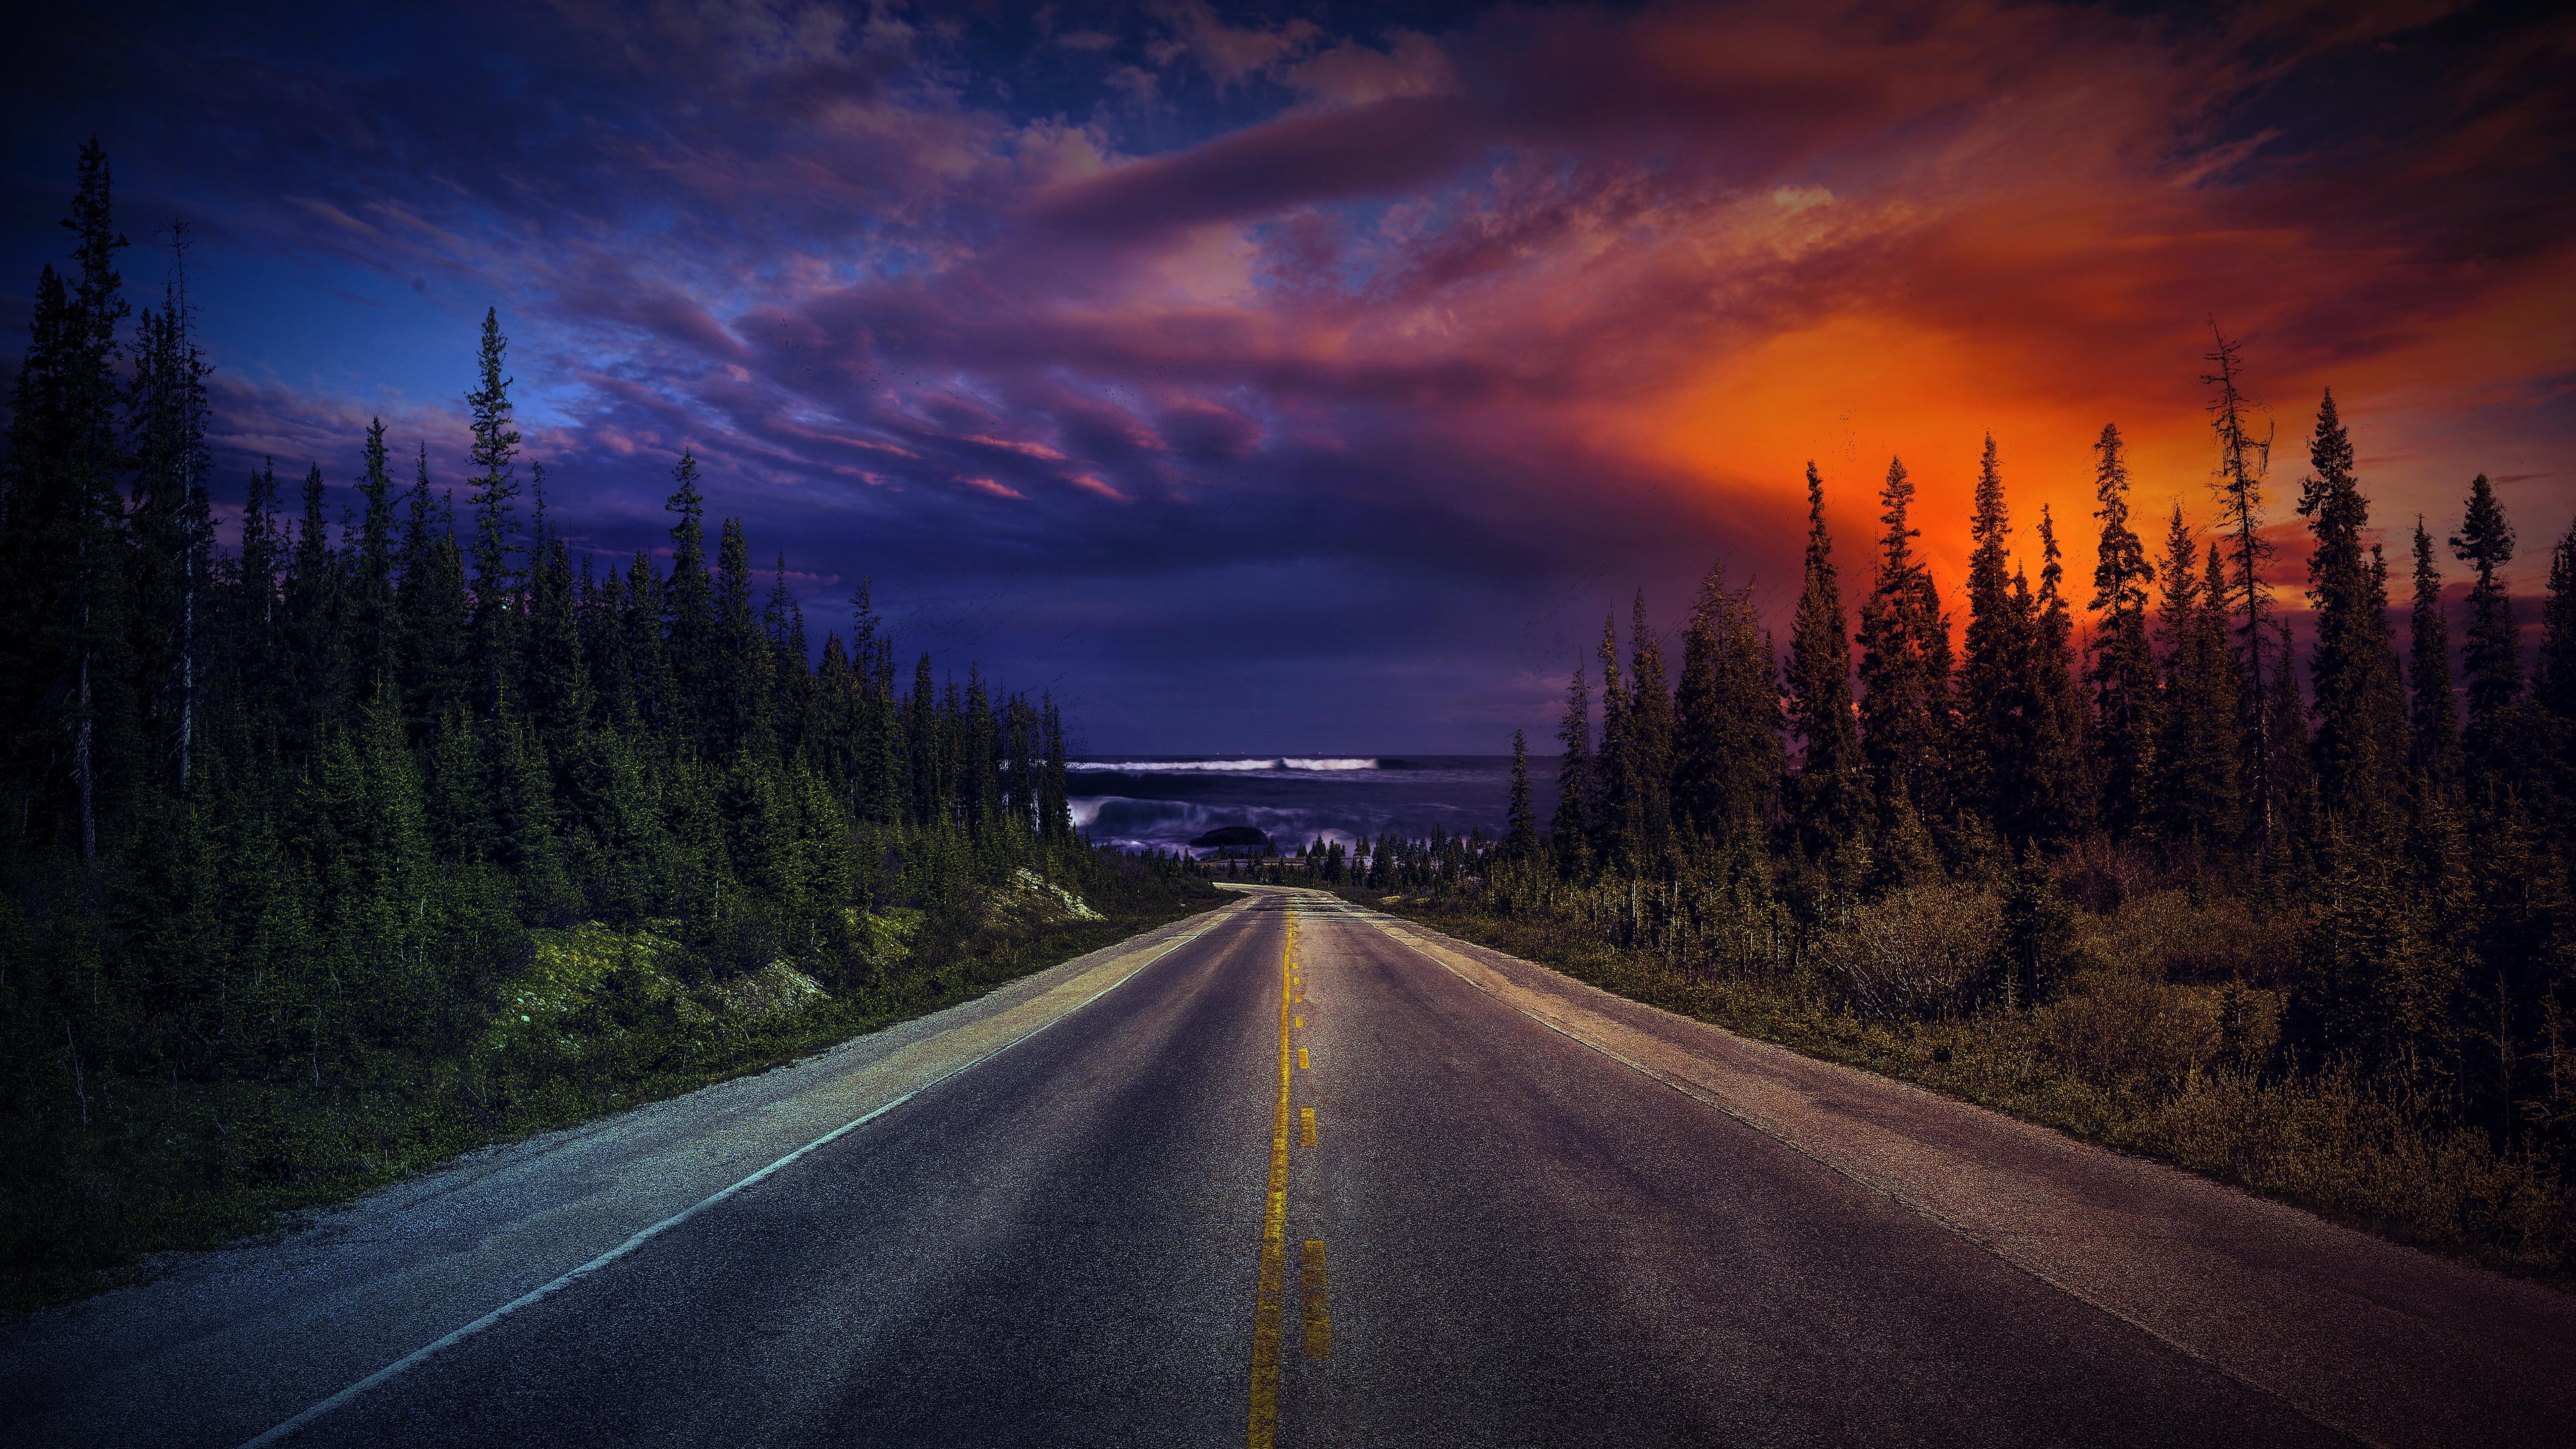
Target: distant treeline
286 812
2414 872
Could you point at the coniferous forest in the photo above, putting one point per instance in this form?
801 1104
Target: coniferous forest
338 840
2130 860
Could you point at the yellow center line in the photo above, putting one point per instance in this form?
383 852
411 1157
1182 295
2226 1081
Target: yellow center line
1301 1059
1306 1125
1319 1319
1268 1299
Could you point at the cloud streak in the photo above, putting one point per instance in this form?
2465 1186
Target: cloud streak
1323 381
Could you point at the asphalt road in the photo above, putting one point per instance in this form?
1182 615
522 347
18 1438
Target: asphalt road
1522 1214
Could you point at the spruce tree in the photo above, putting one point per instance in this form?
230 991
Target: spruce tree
1728 762
554 672
434 611
375 635
2553 681
2243 461
693 653
2434 733
172 517
747 667
1520 841
2195 799
1829 803
493 637
2121 667
1570 831
1994 763
1650 741
2493 658
1614 799
2061 799
1905 731
2360 745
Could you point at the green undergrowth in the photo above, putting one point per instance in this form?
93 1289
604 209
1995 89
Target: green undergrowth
2183 1071
599 1019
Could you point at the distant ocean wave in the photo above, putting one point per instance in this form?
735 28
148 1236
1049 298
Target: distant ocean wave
1165 802
1220 767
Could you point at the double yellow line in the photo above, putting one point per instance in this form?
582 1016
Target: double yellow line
1269 1300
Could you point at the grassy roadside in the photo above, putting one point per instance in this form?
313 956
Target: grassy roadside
2131 1057
599 1021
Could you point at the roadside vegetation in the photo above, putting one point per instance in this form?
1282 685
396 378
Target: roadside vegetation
2300 915
366 840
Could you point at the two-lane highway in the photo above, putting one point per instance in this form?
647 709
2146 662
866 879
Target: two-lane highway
1311 1177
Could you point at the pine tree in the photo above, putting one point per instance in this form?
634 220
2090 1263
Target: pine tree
2294 777
434 611
172 517
374 632
691 630
1521 841
1728 762
2061 798
2243 461
1829 802
493 638
2360 706
2121 668
1994 689
1905 730
747 668
553 672
1614 770
1570 832
2195 798
315 644
2493 658
2553 682
2434 733
1650 740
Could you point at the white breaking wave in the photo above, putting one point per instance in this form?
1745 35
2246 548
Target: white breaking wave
1218 767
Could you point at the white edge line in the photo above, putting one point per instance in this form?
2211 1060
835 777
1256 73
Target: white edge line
1708 1098
423 1354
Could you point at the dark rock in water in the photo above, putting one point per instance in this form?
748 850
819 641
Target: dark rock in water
1229 835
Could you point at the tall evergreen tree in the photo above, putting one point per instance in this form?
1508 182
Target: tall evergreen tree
2060 797
2360 746
2553 683
692 633
1520 837
2195 797
374 633
1905 721
2243 462
2434 735
1614 771
1650 740
434 611
2121 669
493 640
1994 683
1570 832
1728 763
2493 658
1829 803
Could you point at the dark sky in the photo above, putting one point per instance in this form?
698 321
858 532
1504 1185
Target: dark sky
1315 377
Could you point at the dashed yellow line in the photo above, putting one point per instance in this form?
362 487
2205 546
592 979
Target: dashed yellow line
1301 1059
1306 1126
1268 1304
1319 1319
